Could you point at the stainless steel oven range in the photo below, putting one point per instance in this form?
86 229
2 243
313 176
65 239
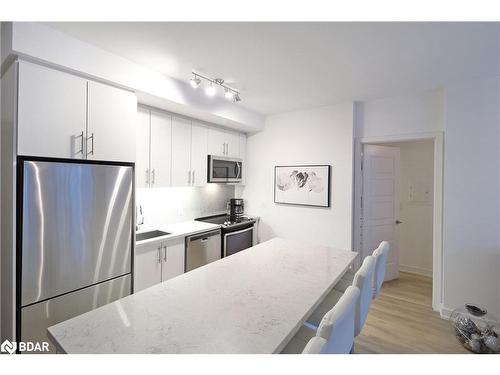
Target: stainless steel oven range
236 235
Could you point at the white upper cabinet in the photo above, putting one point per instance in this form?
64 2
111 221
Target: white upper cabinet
199 162
65 116
232 145
223 143
142 154
161 150
173 151
181 152
111 123
51 112
216 142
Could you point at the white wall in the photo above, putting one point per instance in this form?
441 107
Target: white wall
408 114
163 206
467 112
317 136
471 194
416 206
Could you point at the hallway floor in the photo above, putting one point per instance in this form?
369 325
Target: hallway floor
401 320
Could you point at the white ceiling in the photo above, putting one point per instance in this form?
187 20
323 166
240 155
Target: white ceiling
285 66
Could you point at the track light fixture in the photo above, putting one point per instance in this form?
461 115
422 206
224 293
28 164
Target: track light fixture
211 87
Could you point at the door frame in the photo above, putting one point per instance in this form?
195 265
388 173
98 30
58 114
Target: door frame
437 227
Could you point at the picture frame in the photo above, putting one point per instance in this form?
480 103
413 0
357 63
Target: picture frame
302 185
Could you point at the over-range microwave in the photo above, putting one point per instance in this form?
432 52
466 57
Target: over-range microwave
222 169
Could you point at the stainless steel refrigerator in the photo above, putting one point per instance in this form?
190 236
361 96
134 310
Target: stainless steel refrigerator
74 250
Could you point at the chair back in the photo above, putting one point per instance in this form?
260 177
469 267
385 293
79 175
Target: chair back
363 279
315 346
380 255
337 326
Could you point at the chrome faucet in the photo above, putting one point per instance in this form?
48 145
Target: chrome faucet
139 217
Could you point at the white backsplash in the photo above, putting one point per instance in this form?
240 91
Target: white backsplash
170 205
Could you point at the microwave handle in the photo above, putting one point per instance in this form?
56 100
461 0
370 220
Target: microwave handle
238 173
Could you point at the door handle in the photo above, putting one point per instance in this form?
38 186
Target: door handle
165 253
189 177
223 149
159 254
399 222
193 178
92 150
153 176
227 149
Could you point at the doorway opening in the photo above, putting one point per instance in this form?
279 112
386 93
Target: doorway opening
399 185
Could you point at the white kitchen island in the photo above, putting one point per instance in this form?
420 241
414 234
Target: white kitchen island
251 302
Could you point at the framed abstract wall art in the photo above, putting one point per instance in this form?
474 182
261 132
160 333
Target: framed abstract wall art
306 185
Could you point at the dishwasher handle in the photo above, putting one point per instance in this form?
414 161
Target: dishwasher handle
204 237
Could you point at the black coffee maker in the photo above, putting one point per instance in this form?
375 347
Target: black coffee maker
236 209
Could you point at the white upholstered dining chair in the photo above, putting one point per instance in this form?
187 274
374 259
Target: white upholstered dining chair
335 334
338 326
315 346
380 254
363 279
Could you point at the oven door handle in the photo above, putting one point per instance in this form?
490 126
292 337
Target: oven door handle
234 233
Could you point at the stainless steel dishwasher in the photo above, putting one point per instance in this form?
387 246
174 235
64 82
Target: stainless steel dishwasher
202 248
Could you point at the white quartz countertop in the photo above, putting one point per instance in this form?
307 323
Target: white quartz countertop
251 302
182 229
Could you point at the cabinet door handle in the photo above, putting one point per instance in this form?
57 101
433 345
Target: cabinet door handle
147 176
165 253
227 149
189 177
92 150
223 149
193 178
153 176
159 254
82 146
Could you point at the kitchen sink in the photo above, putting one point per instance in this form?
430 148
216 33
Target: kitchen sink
151 234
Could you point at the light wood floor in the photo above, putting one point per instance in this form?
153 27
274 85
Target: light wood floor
401 320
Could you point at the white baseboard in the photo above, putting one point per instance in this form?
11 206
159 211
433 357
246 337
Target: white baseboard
445 313
416 270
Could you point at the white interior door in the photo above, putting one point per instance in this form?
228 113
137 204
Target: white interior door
380 209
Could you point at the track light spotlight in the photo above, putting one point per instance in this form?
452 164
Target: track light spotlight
228 94
195 82
210 90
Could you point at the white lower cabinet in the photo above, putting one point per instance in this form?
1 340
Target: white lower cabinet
173 259
158 261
